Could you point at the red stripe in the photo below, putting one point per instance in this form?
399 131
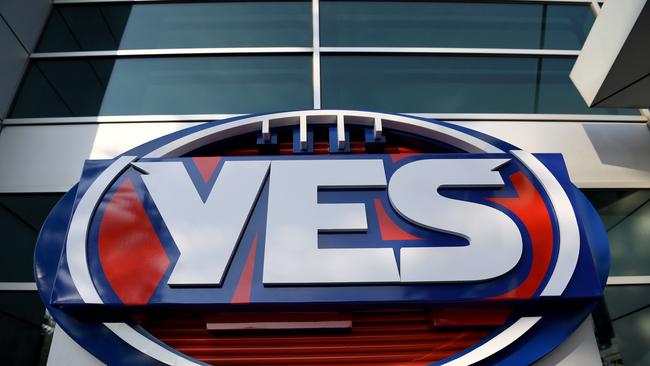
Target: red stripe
532 211
242 293
469 317
206 166
402 155
253 322
389 229
132 257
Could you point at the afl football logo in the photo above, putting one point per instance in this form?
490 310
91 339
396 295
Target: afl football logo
320 238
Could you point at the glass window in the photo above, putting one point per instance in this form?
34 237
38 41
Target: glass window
21 217
451 84
453 24
626 216
179 85
623 326
185 25
63 88
566 26
429 83
25 330
557 94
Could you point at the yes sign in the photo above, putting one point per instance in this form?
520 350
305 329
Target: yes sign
485 224
207 232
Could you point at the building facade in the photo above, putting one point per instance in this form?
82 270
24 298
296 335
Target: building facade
88 79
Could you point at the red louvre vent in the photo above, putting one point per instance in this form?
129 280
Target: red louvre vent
391 337
391 143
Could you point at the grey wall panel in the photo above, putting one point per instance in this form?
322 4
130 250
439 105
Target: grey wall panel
50 158
598 155
26 18
65 351
634 95
44 159
631 65
13 59
606 39
579 349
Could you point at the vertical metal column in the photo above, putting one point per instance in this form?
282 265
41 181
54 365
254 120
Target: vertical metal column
315 6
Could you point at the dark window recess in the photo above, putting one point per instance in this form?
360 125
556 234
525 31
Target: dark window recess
452 84
626 216
453 24
25 330
179 85
21 218
621 323
183 25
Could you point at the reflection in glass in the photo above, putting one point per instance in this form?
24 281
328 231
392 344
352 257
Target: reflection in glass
184 25
626 216
21 217
452 84
623 326
566 26
453 24
179 85
22 334
429 83
557 94
63 88
84 28
47 334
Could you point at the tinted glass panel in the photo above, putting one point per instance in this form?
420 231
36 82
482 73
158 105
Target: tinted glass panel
21 217
186 25
451 84
453 24
186 85
623 326
24 330
566 26
557 94
626 215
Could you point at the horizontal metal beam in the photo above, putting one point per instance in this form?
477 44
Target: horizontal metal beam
451 50
531 117
171 52
117 119
440 116
17 286
628 280
162 1
274 50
